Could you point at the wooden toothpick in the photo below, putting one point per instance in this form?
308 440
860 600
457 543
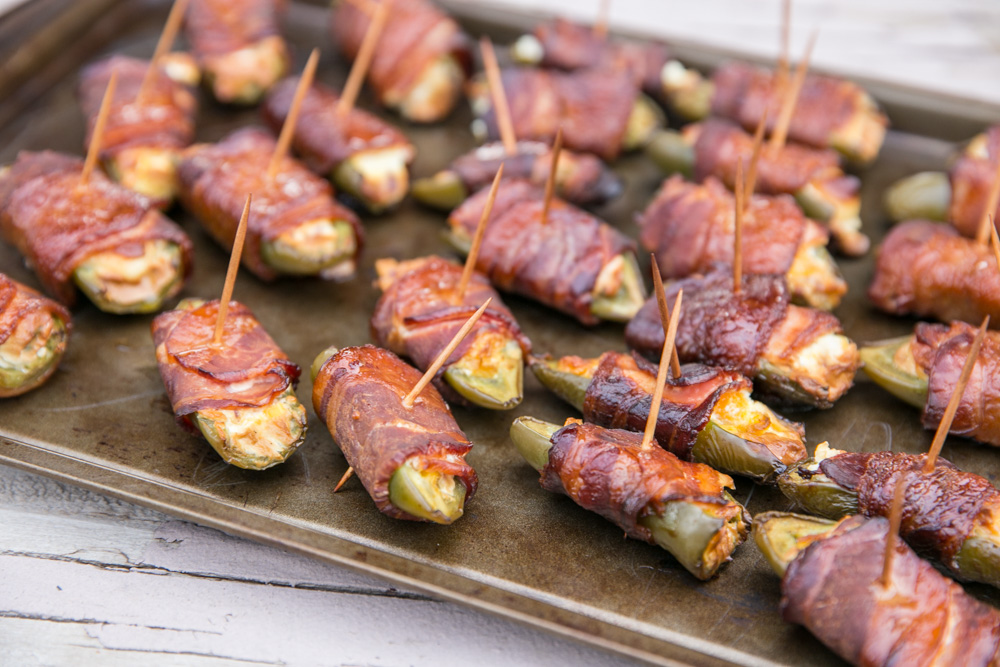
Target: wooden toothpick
343 480
661 373
164 45
895 519
781 73
738 229
477 239
288 127
364 59
992 199
956 397
550 185
97 136
751 174
234 266
443 357
501 108
601 22
661 302
994 241
792 97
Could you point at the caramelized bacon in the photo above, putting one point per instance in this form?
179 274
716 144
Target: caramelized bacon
323 137
359 395
608 472
834 589
21 304
215 180
56 222
928 269
246 369
556 263
971 177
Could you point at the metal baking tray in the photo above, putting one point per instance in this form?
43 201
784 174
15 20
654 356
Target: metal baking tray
104 422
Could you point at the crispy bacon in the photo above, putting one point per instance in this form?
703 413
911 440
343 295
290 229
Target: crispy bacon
416 33
56 222
928 269
418 315
971 177
834 589
216 178
940 351
359 395
19 303
591 106
323 137
608 472
621 391
690 227
556 263
246 369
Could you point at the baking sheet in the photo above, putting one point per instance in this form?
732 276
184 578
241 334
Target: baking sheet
104 422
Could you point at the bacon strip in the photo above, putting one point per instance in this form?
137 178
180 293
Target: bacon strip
971 177
215 180
834 589
20 303
690 227
246 369
57 223
591 106
556 263
323 137
418 315
927 269
940 351
416 33
359 394
608 472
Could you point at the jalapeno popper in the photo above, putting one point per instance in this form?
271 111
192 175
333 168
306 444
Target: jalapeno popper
571 261
927 269
239 393
690 227
421 61
365 156
419 313
106 239
143 137
33 336
238 45
296 227
581 178
599 111
707 414
830 113
832 584
813 176
797 355
647 492
410 460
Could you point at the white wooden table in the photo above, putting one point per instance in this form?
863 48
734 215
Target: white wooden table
86 578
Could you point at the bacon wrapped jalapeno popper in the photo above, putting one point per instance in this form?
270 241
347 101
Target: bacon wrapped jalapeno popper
581 178
707 414
950 516
365 156
811 175
239 393
571 261
238 46
830 112
295 227
410 460
923 370
691 227
419 313
33 335
124 255
797 355
599 111
832 584
421 61
142 139
647 492
927 269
